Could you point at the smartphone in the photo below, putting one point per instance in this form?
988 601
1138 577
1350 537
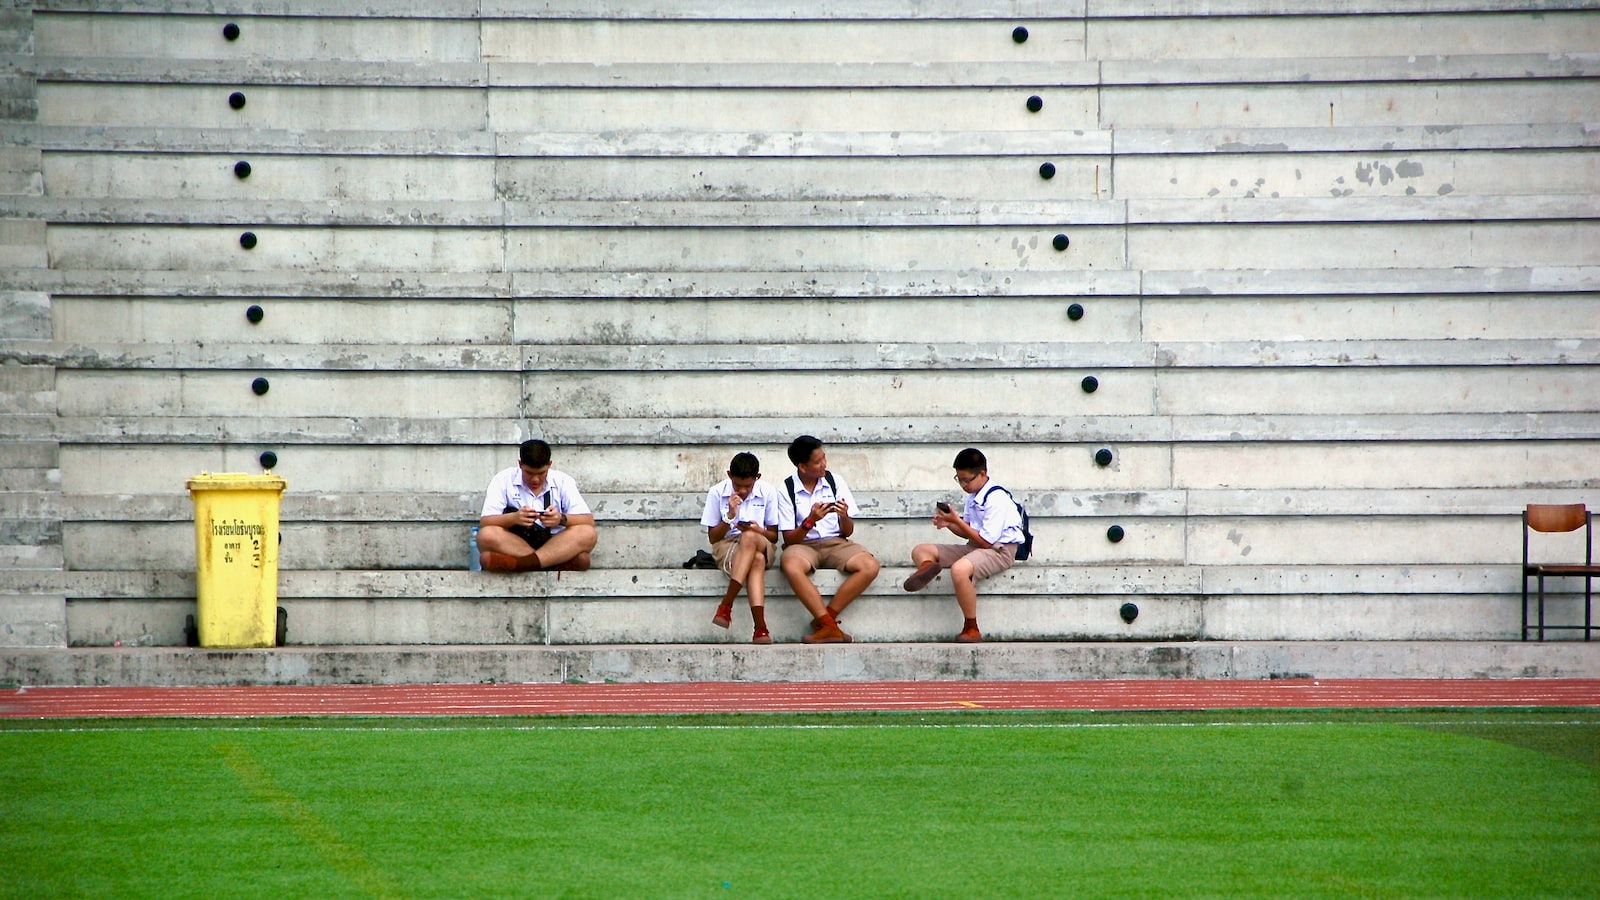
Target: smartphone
943 506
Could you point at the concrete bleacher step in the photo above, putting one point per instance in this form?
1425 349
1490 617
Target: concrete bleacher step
674 606
1021 661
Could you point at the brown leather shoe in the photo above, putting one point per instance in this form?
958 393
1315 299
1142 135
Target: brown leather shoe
922 576
829 633
817 623
970 636
724 616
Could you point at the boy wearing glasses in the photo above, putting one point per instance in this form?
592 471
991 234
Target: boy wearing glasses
990 523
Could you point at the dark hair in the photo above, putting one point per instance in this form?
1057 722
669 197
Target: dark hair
534 454
744 465
971 460
801 448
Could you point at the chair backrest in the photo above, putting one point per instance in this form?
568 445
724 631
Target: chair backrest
1552 517
1558 517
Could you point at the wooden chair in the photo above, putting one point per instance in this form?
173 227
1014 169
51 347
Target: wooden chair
1555 518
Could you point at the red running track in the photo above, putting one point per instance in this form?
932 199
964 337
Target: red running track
743 697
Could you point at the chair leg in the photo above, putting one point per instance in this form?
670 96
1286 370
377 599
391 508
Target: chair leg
1588 603
1524 605
1541 608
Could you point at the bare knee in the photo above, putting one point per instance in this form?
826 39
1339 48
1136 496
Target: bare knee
961 569
586 536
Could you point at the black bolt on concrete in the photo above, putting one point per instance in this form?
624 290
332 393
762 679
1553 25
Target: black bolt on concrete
241 169
1102 456
248 240
255 314
1035 103
1047 171
236 99
1019 34
260 386
230 31
1128 612
1114 533
268 459
1075 311
1090 384
1060 241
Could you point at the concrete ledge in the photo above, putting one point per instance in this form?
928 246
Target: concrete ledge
790 75
1030 579
380 431
992 355
856 662
684 507
1124 141
908 212
778 10
755 284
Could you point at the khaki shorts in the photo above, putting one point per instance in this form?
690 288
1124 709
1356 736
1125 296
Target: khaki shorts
723 550
830 553
985 562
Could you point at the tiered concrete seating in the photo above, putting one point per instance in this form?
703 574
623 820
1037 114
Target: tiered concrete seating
1336 274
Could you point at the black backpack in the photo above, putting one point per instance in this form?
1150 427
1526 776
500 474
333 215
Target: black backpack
789 483
1024 549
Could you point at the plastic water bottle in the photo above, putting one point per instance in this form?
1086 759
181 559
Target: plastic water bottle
473 563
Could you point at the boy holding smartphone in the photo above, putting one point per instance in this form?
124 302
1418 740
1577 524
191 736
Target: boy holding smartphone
821 537
992 527
741 519
534 517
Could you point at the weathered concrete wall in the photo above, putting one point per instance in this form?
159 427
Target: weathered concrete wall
1337 274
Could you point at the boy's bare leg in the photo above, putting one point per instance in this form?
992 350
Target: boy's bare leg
502 551
751 548
571 545
499 540
798 572
755 581
967 596
966 587
859 570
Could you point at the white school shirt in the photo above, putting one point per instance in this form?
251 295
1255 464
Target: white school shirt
828 527
760 507
506 489
993 514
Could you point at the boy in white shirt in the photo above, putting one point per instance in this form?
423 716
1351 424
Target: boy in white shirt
534 518
820 536
992 526
741 519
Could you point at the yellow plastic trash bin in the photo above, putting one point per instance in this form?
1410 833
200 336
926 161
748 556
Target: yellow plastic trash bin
236 555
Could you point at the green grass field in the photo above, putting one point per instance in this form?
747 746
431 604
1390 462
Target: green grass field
1375 803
